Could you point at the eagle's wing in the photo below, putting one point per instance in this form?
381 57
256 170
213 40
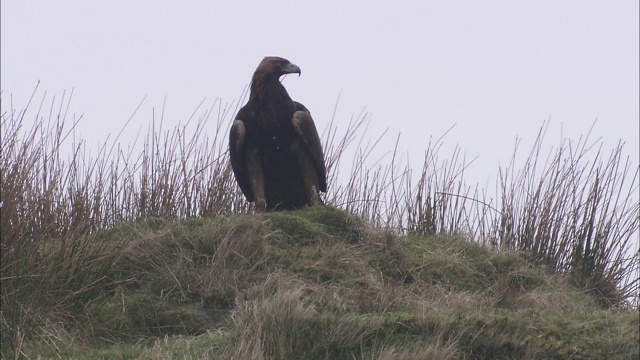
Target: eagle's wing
306 130
238 157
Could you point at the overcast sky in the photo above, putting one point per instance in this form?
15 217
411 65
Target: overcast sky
494 69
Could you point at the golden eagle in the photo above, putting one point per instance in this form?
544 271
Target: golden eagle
274 146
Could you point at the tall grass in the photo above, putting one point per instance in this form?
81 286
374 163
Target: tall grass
575 210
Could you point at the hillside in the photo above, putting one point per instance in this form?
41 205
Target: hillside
316 283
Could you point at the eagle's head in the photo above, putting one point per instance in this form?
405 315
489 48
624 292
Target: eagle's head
273 66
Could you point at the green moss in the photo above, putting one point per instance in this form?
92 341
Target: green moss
296 230
316 224
337 222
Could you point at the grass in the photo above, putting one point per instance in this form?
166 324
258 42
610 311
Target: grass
319 283
156 255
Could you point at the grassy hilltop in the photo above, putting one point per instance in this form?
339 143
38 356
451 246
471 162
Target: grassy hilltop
149 251
316 283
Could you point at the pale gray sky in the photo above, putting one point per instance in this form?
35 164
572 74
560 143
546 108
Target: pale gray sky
494 69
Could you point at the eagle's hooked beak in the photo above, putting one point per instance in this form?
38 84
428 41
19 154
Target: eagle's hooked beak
291 69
